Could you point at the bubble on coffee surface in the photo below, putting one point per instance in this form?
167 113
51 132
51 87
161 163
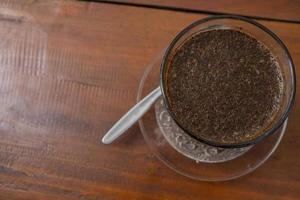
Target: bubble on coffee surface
188 146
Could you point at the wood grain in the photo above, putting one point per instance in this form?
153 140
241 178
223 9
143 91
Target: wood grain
68 71
278 9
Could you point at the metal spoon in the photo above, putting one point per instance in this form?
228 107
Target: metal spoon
132 116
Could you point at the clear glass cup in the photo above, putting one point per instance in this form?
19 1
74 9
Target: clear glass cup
262 34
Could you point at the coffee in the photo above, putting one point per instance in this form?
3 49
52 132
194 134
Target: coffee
223 86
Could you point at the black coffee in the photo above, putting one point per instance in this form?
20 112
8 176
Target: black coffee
224 86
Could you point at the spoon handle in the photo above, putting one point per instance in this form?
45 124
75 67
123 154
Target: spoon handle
133 115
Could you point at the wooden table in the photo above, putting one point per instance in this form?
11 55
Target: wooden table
70 69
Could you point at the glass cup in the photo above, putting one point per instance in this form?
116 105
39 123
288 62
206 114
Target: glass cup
262 34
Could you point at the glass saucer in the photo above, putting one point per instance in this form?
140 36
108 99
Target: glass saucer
190 157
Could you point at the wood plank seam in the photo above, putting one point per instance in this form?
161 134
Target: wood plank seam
187 10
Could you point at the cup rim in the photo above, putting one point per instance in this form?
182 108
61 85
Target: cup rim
263 28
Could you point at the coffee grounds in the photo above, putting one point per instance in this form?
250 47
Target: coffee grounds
224 86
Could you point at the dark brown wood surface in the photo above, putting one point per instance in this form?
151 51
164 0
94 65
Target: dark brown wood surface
68 71
277 9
